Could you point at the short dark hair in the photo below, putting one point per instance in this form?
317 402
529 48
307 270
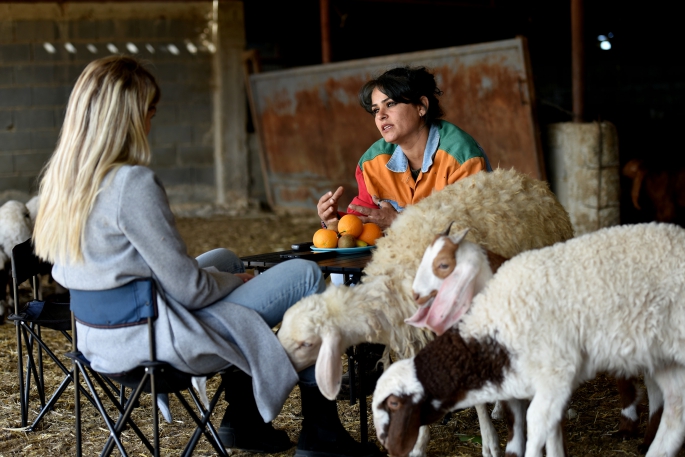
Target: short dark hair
405 85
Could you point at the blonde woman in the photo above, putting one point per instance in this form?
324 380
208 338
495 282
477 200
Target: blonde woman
104 221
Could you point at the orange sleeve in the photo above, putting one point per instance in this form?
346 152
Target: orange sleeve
468 168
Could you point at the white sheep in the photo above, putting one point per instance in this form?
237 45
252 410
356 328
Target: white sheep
507 213
466 268
612 300
15 227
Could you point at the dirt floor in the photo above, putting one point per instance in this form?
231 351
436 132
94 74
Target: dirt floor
589 432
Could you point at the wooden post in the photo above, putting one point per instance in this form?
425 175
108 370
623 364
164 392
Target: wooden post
325 32
230 113
577 60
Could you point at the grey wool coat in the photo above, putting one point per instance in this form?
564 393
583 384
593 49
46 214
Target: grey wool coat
131 234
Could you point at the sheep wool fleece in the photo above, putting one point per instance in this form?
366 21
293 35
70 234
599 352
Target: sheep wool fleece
608 300
131 234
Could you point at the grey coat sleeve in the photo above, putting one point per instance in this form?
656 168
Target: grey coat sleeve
145 217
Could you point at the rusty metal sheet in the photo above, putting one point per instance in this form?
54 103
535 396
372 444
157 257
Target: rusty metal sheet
313 131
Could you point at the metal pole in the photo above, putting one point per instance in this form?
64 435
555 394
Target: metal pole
325 32
577 60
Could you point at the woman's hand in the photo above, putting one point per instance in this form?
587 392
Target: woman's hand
328 205
382 217
244 276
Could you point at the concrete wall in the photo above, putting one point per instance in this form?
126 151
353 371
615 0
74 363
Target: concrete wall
45 46
584 173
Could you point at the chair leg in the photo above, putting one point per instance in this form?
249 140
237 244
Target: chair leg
155 408
123 419
48 406
20 370
77 407
40 382
203 423
108 388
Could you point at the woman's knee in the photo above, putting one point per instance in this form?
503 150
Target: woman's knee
312 272
304 272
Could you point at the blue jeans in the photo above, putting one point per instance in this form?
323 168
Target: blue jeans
271 293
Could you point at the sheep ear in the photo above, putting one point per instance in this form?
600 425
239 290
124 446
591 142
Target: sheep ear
329 363
453 298
446 232
459 237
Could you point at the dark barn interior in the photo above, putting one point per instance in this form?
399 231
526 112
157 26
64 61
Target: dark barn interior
637 84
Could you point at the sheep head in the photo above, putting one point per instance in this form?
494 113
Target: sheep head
315 330
398 402
451 266
300 331
319 328
15 225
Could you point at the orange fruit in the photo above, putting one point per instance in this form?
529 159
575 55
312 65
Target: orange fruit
370 233
324 238
350 224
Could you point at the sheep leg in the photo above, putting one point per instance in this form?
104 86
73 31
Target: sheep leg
669 436
498 411
555 442
487 432
656 408
630 396
515 411
421 442
544 419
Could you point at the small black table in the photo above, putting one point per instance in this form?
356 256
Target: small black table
352 266
347 264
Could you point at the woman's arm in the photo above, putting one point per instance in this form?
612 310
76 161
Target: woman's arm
368 208
146 220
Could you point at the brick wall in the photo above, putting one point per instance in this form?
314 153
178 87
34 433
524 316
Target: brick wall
43 49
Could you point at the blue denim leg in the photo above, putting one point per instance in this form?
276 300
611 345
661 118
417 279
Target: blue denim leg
222 259
278 288
272 292
308 376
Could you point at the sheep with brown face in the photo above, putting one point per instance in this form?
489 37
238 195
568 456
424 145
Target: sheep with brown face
462 269
612 301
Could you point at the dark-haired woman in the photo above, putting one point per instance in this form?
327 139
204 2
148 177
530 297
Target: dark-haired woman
417 154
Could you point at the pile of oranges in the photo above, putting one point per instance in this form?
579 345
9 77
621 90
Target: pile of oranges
350 229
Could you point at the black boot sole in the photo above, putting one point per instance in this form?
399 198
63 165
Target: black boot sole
229 441
306 453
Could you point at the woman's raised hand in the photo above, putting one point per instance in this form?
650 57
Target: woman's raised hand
328 205
383 216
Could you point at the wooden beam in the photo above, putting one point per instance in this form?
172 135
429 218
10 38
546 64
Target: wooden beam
577 60
325 32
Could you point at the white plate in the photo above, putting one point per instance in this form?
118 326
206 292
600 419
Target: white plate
344 250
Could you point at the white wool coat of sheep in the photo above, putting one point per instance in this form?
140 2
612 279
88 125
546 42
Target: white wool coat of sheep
610 301
15 227
506 211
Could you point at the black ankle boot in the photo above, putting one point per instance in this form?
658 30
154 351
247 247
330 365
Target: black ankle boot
242 427
323 435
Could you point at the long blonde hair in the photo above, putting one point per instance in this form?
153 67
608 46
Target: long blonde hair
104 128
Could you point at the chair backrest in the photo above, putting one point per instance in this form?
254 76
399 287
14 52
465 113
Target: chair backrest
25 263
134 303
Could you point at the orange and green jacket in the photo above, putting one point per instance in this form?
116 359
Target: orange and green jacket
451 154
